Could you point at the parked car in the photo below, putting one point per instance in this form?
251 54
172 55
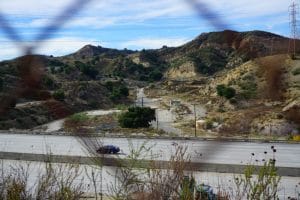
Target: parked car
108 149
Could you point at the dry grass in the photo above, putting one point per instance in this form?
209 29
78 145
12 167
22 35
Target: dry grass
54 183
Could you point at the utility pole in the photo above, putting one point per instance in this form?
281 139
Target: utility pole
293 10
156 112
195 124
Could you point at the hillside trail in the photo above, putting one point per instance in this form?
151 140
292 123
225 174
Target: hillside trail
57 125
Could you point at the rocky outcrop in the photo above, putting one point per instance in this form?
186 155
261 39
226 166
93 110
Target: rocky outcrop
292 111
185 71
279 127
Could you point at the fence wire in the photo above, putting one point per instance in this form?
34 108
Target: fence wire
31 69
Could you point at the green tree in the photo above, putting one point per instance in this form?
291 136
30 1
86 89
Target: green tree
124 91
137 117
155 75
220 90
229 92
225 91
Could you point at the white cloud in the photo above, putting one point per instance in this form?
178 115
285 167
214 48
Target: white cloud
31 15
154 43
106 13
64 45
57 47
9 51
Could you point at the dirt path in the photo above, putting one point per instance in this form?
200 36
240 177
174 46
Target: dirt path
167 117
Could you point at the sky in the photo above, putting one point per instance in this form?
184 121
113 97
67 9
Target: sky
134 24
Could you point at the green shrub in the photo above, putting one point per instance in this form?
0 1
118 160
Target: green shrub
209 124
86 69
248 89
48 82
59 95
79 117
155 75
220 90
124 91
263 186
296 71
118 90
224 91
208 60
137 117
229 92
68 69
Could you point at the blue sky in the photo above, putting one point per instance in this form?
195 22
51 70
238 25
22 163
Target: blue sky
135 24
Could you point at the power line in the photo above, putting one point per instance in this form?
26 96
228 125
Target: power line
293 11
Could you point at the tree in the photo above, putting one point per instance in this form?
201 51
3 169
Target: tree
220 90
225 91
155 75
137 117
229 92
124 90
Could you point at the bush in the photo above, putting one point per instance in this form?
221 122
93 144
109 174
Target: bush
48 82
117 91
296 71
224 91
59 95
220 90
155 75
88 70
79 117
124 91
137 117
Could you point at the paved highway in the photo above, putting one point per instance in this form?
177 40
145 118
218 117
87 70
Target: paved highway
218 152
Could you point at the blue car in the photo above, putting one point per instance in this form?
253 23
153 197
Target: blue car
108 149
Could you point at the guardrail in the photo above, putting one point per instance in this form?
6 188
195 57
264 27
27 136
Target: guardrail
114 161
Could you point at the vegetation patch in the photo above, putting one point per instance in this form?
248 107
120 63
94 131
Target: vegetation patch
296 71
118 90
59 95
208 60
76 122
137 117
225 91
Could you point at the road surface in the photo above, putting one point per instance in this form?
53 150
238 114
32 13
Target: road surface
218 152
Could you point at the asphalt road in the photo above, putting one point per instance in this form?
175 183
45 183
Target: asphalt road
217 152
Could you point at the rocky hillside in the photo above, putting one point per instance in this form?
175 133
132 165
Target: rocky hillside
213 52
95 77
265 98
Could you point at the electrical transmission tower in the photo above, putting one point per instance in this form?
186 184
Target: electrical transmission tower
293 10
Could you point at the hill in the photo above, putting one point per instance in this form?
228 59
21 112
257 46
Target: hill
91 77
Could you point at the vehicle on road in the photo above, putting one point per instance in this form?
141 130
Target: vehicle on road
108 149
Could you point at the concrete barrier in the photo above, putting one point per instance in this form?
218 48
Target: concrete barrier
112 161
